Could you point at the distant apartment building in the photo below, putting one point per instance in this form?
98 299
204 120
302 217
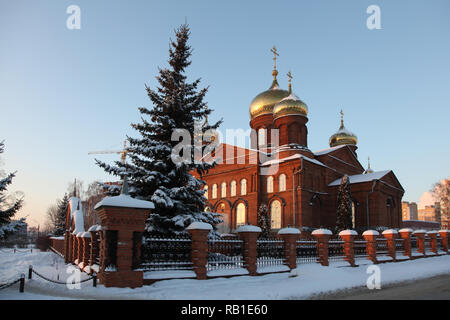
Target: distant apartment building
409 211
431 213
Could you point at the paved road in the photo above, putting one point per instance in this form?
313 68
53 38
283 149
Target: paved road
435 288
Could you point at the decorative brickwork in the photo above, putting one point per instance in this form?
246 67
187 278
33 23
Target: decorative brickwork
349 245
405 234
250 256
371 245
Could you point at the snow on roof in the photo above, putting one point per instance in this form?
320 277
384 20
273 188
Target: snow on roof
371 233
93 228
322 231
328 150
358 178
125 200
390 231
295 156
73 205
78 220
249 228
348 233
406 230
289 231
86 235
199 226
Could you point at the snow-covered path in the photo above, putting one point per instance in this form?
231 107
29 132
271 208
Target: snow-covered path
312 279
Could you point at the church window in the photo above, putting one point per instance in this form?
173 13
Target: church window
261 137
269 184
240 215
282 182
214 191
233 189
243 187
275 215
223 189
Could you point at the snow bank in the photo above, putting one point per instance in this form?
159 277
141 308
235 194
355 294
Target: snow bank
125 201
289 231
199 226
322 231
248 228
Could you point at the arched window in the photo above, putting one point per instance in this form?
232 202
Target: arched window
240 215
206 191
275 215
269 184
223 190
233 189
282 182
261 137
243 187
214 191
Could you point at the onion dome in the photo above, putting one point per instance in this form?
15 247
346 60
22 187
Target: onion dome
369 169
291 105
264 102
343 136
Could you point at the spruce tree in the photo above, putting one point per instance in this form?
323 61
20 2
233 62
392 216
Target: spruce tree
264 221
344 209
60 221
152 175
8 207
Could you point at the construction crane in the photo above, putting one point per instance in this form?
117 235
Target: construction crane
123 152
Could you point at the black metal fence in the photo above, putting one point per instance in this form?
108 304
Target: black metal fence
399 246
270 252
336 250
307 251
382 247
224 254
166 254
360 248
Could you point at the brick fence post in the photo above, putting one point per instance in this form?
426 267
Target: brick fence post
405 234
444 240
94 252
290 237
420 235
80 247
74 248
322 236
433 240
371 244
199 247
67 246
86 236
121 217
249 236
349 245
390 236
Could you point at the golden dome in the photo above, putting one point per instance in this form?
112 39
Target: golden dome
343 136
264 102
291 105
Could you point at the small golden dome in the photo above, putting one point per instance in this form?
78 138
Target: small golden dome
343 136
369 169
264 102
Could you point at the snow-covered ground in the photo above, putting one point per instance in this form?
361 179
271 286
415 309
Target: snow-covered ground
311 279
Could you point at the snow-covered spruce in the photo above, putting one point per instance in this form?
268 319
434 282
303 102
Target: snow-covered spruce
152 175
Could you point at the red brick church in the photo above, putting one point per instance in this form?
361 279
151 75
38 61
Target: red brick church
298 186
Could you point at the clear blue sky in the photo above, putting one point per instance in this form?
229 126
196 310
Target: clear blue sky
66 92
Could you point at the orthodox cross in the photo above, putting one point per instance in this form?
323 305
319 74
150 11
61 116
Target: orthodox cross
289 75
275 54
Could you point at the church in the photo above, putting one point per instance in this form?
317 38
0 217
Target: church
298 186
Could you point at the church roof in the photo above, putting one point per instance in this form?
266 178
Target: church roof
295 156
328 150
358 178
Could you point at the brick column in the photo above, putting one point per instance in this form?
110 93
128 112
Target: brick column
79 247
290 237
433 240
123 215
371 246
405 234
68 245
444 240
74 247
199 247
420 235
86 248
249 235
390 236
349 245
94 252
322 236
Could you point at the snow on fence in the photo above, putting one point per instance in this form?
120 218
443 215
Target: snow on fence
307 251
270 252
224 254
160 254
